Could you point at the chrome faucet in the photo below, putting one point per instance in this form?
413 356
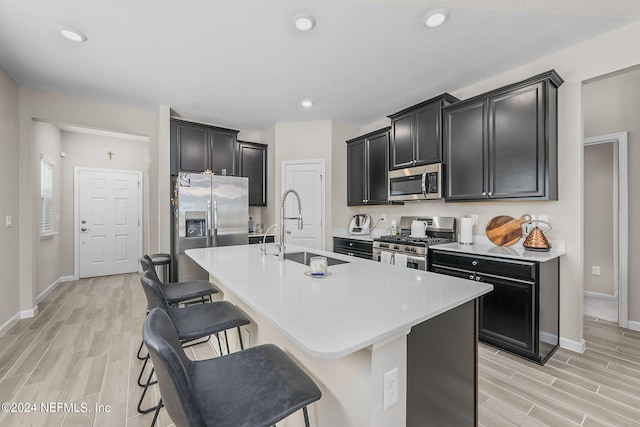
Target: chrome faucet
263 248
283 218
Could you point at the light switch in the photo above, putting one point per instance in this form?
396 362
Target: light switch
8 222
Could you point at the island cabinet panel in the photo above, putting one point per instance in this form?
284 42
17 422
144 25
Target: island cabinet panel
197 147
367 173
521 314
442 370
416 133
503 144
252 163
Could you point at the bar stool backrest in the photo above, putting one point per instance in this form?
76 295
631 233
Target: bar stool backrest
153 292
172 366
147 265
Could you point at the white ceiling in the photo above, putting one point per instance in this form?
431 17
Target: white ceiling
241 64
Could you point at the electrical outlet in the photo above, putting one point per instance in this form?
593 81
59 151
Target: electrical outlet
475 219
390 388
383 217
595 270
8 222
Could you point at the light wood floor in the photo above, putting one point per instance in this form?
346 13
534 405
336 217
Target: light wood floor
81 349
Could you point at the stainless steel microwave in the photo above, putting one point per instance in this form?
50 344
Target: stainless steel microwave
416 183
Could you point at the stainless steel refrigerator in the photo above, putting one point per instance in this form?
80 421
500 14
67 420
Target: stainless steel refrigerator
208 210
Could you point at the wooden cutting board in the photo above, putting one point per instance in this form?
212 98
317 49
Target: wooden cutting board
504 230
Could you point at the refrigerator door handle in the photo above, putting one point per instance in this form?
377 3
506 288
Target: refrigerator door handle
208 232
215 223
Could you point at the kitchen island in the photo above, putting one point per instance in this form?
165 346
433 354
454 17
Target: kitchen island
352 327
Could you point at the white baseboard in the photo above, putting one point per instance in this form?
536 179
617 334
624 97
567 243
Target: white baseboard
633 325
25 314
575 346
9 323
52 286
598 295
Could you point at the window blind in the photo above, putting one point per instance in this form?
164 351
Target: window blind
46 196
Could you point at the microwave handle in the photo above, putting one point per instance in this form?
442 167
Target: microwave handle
424 183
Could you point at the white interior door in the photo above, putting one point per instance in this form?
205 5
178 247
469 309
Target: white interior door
307 178
108 226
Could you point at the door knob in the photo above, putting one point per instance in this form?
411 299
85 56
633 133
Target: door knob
288 231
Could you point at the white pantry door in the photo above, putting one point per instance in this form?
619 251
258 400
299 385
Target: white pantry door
108 222
307 178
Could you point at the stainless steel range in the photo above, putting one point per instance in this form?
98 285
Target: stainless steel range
412 251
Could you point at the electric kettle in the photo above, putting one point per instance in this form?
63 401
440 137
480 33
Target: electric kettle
536 240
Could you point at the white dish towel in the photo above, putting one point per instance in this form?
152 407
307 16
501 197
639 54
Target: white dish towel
401 260
386 257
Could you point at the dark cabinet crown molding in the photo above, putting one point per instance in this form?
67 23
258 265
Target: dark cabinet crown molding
208 126
368 135
551 75
447 97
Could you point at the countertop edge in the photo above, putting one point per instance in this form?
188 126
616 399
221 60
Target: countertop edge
519 252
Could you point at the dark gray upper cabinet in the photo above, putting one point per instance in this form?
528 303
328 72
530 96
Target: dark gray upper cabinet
503 144
416 136
252 163
367 174
197 147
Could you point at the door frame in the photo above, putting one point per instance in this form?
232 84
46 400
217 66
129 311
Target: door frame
323 190
76 212
623 220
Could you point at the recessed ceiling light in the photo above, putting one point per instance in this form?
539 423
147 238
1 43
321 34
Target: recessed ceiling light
71 34
436 17
307 103
304 22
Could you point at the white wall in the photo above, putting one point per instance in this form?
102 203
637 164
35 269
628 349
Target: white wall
605 54
322 139
303 141
9 242
599 218
340 213
612 104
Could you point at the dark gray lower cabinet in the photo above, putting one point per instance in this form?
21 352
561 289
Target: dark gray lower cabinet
254 240
353 247
521 314
442 370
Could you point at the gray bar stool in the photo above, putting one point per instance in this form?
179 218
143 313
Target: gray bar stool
191 322
255 387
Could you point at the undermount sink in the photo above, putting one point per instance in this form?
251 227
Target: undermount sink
305 258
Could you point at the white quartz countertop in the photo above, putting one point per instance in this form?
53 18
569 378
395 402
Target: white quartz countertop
361 303
514 251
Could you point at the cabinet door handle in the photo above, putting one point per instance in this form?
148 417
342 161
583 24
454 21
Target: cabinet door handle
477 278
490 193
350 244
484 193
471 277
474 262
